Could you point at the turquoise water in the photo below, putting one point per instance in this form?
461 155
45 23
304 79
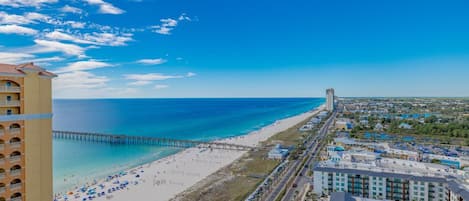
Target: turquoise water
197 119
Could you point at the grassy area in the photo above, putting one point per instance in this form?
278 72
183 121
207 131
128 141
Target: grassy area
239 179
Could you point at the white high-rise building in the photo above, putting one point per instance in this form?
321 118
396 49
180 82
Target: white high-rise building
391 179
330 99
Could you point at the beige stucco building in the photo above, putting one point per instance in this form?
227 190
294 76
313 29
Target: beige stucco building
25 133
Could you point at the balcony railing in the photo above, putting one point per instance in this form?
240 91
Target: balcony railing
2 146
15 130
15 186
16 199
11 103
2 175
15 172
10 89
2 132
2 161
15 158
2 189
15 145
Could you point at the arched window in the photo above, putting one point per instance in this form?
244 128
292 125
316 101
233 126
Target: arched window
15 167
15 153
15 128
16 196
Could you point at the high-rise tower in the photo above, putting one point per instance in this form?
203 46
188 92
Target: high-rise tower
25 133
330 99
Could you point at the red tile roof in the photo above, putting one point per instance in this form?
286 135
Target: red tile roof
21 68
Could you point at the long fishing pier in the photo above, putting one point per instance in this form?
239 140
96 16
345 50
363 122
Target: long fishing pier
143 140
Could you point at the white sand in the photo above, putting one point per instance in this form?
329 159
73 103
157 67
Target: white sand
165 178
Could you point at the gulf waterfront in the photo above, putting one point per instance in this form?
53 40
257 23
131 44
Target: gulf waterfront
197 119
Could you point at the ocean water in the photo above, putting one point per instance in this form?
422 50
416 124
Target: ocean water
76 163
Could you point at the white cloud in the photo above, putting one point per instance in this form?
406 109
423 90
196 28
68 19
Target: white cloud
14 58
150 77
163 30
108 39
45 46
76 25
161 86
103 39
146 79
37 17
25 3
71 9
6 18
152 61
79 80
190 74
83 66
140 83
15 29
169 22
82 84
105 7
183 17
47 59
17 58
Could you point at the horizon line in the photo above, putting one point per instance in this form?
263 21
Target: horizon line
267 97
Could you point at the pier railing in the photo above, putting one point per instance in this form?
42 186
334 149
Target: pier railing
144 140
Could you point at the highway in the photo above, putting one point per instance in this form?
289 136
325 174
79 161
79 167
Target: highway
310 153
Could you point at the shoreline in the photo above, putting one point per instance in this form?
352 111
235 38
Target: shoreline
165 178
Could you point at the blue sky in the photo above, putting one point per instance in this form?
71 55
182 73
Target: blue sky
241 48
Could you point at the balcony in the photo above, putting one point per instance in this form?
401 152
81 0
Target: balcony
10 89
15 145
15 158
2 189
2 132
15 131
16 199
2 175
15 186
15 172
10 103
2 147
2 161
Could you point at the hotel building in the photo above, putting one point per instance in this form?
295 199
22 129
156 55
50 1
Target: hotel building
392 179
330 99
25 133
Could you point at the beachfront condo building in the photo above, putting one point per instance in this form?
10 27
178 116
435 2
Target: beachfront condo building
330 99
392 180
25 133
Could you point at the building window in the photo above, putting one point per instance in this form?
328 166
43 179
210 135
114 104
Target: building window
9 112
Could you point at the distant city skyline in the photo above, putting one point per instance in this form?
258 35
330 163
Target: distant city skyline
174 49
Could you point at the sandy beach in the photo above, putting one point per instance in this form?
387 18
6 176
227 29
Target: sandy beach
165 178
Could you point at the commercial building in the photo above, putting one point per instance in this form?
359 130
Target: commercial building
392 179
25 133
278 152
330 99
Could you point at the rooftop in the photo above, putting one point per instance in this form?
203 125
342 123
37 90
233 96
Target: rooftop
19 70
